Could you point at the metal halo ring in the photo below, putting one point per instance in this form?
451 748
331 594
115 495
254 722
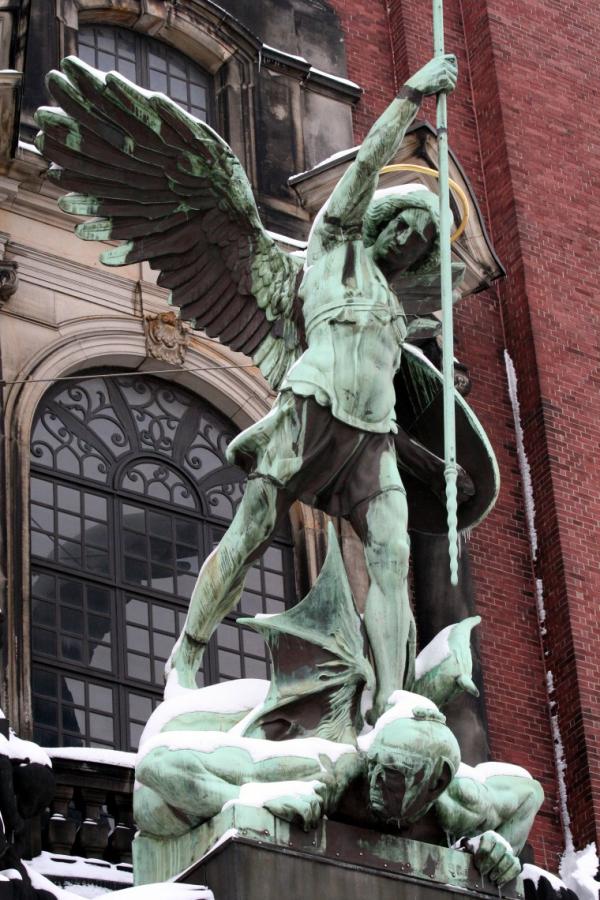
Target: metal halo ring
425 170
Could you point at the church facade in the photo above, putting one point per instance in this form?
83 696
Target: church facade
116 415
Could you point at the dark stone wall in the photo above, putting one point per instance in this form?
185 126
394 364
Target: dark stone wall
308 28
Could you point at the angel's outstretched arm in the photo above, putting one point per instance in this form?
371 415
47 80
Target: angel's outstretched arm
349 201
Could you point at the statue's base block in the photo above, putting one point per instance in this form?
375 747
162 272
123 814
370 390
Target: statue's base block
247 854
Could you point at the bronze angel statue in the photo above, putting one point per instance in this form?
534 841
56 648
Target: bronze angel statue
356 428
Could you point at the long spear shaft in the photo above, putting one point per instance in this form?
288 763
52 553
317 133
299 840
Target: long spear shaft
450 471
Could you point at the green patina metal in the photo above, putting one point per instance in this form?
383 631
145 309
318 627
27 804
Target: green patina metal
454 673
328 329
323 655
329 334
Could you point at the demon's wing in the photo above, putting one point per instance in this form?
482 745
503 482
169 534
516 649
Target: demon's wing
169 187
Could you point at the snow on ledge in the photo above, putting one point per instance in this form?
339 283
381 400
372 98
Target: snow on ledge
93 755
56 865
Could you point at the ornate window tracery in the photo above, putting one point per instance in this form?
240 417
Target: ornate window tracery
130 491
147 62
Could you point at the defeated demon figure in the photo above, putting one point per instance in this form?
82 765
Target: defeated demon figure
188 770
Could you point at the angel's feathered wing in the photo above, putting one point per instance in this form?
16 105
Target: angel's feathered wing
169 187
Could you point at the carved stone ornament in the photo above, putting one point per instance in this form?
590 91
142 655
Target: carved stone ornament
166 337
8 279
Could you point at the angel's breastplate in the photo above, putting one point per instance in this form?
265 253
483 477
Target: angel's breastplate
354 328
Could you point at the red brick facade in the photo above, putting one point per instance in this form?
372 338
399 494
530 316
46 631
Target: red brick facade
523 124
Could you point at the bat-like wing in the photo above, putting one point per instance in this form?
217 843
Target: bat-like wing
166 185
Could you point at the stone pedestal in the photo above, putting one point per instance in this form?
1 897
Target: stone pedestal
247 854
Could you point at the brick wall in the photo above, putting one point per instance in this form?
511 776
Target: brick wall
523 125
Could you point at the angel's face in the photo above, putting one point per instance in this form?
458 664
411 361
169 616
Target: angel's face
399 248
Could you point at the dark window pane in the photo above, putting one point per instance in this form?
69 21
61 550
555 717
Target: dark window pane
69 526
163 644
41 545
228 636
101 698
185 585
71 593
43 586
158 81
178 90
140 708
253 581
133 518
101 728
99 628
138 639
105 39
273 559
255 668
156 59
97 561
69 553
43 613
95 507
71 648
44 682
102 658
138 666
159 671
163 618
159 524
73 691
98 599
106 61
135 733
44 737
43 641
252 604
137 611
229 664
45 712
274 584
95 533
161 551
41 491
275 606
42 518
68 498
253 643
186 532
162 579
71 620
134 544
73 720
136 571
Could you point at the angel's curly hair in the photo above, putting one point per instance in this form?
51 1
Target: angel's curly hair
383 209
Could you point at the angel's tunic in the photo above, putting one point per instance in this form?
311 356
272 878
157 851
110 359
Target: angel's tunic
354 329
328 440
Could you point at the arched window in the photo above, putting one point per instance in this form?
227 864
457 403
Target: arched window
149 63
130 491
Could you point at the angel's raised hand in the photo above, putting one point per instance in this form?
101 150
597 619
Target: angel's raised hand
438 75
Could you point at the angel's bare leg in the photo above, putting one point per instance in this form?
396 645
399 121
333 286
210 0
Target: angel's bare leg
381 523
221 579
